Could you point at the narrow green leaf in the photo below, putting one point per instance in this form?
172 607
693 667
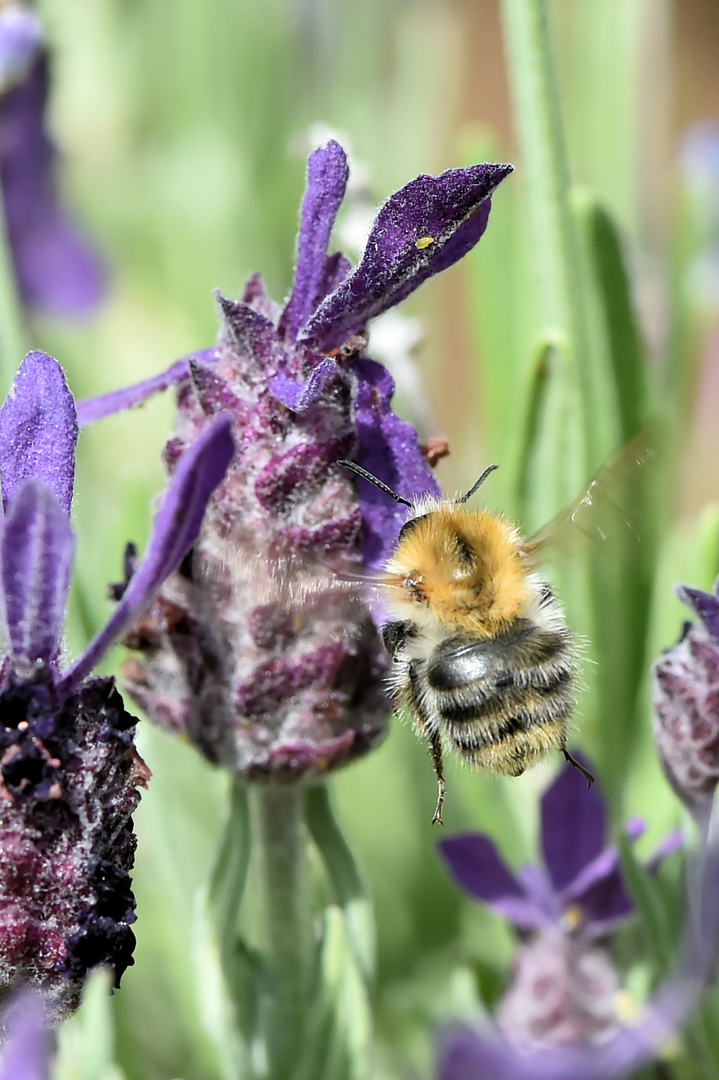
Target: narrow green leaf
86 1041
217 1001
229 874
613 290
658 937
350 892
708 545
339 1033
224 973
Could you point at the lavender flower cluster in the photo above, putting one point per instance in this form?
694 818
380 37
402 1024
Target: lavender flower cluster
251 649
69 770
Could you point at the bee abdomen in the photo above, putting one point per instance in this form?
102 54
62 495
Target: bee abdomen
505 702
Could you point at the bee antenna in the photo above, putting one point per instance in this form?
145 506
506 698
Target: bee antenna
483 477
373 480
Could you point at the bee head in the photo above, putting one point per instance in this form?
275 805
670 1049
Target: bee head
453 566
460 568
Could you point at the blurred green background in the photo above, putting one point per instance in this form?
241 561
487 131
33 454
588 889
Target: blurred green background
185 129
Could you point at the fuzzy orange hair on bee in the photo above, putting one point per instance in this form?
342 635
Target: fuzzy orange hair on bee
482 657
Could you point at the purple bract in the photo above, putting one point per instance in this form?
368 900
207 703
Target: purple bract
21 37
24 1039
56 270
686 706
256 650
69 771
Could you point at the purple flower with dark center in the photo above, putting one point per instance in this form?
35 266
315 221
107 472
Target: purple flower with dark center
57 272
622 1049
686 706
579 888
69 771
24 1044
561 1017
255 649
564 987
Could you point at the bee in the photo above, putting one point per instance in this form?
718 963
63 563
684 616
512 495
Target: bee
481 653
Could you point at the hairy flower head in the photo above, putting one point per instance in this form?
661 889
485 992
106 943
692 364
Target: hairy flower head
69 771
254 649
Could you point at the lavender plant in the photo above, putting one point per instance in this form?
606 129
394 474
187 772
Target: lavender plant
686 706
70 771
252 651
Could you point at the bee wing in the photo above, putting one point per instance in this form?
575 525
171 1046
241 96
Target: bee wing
614 504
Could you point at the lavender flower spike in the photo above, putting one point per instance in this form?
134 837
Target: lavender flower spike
686 706
255 649
69 771
57 271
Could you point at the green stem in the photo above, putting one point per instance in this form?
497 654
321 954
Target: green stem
279 824
229 873
556 257
13 337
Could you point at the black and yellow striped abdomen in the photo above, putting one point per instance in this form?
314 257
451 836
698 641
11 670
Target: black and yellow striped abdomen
501 703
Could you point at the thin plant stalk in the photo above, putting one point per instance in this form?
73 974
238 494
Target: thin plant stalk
278 818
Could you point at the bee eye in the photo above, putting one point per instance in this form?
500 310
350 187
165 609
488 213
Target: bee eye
414 584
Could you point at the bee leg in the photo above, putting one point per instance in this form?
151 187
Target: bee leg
575 764
435 749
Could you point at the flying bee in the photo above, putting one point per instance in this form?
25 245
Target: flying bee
482 655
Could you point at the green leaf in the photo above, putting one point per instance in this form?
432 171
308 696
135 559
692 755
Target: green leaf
225 972
86 1041
625 353
551 461
339 1032
229 874
708 545
349 889
657 933
217 999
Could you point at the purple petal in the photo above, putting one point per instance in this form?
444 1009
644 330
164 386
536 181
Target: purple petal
21 36
477 866
389 449
670 844
176 528
26 1053
327 174
130 397
298 396
573 826
251 337
55 266
336 269
599 890
540 891
38 430
37 551
706 605
421 230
